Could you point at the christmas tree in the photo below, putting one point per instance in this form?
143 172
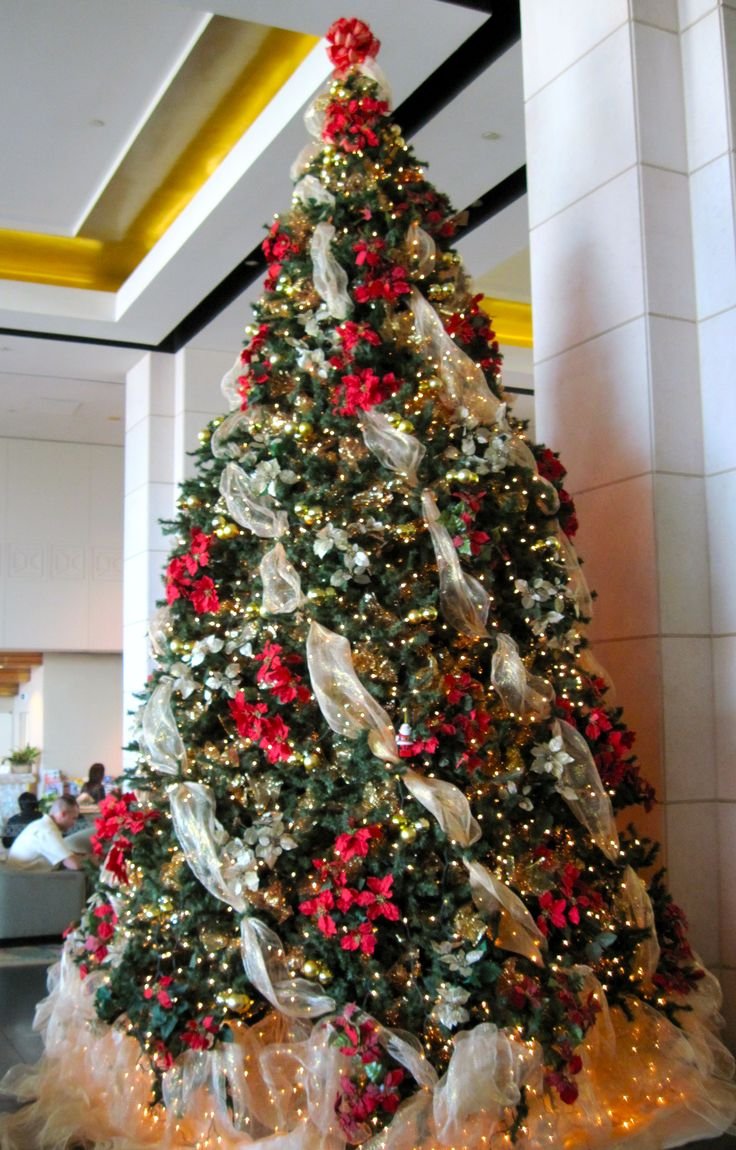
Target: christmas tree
367 882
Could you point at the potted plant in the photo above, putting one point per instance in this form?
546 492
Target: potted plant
23 759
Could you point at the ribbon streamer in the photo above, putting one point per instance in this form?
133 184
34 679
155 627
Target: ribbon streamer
282 587
581 787
236 423
265 968
254 513
486 1072
329 278
229 385
159 631
519 454
517 930
463 600
202 840
577 583
421 249
522 693
447 803
465 385
637 906
160 741
393 449
310 188
345 703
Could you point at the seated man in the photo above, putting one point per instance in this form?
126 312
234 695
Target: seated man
41 845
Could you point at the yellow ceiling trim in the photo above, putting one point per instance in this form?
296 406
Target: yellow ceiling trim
103 265
512 321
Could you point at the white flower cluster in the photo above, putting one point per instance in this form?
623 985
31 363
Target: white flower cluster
262 842
356 561
552 595
457 960
449 1008
552 759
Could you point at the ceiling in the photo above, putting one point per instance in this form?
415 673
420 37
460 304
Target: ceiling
150 141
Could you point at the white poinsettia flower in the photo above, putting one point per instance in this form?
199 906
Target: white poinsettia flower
239 867
269 837
328 537
312 360
184 683
550 758
449 1008
204 647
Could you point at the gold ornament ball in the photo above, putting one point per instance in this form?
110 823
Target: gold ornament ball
408 833
304 431
204 435
311 760
429 613
238 1003
414 616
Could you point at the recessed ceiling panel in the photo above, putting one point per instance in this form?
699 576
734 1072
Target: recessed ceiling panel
80 77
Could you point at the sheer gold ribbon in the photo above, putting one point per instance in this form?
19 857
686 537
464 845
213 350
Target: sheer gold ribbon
464 601
517 930
345 703
254 513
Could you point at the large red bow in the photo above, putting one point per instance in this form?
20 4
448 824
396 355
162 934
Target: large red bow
351 42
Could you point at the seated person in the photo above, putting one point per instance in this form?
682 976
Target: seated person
28 812
93 790
42 846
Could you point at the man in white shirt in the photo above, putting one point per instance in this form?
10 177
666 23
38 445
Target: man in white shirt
41 845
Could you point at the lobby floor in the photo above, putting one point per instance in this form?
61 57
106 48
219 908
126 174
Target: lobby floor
22 987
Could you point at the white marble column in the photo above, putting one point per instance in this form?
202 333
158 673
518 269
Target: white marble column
169 399
626 227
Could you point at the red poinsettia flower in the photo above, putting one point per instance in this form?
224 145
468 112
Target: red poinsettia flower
203 595
376 898
363 938
355 845
362 390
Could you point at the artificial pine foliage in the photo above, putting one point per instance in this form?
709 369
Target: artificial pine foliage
435 856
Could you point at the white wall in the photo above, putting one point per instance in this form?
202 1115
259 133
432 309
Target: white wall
61 529
82 721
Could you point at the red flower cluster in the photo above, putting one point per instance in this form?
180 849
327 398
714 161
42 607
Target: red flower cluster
353 334
561 909
200 1035
269 732
336 896
350 42
550 468
580 1014
160 991
390 285
180 581
96 942
350 124
119 821
362 390
357 1101
275 675
277 247
473 324
470 538
257 372
526 992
